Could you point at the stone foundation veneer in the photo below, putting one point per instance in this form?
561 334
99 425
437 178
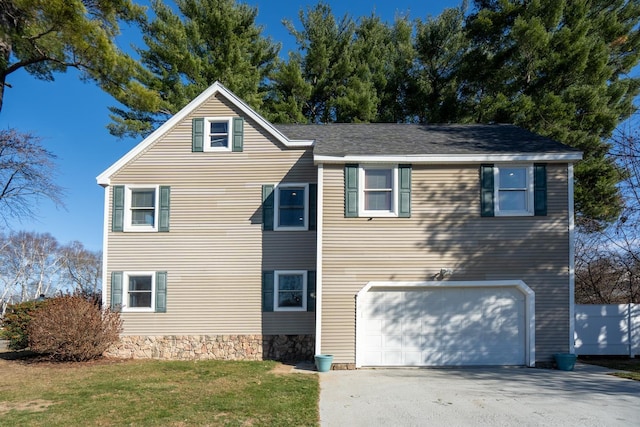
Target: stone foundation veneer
214 347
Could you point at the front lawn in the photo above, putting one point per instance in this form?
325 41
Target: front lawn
154 393
630 366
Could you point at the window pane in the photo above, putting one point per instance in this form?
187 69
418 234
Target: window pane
219 141
219 127
292 196
140 283
291 217
142 217
290 282
140 299
377 201
142 198
290 299
513 177
291 207
513 200
377 179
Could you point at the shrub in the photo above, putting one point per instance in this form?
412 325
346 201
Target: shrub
15 322
71 328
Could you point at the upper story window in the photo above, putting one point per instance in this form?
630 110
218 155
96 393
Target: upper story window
141 213
377 191
514 191
292 206
140 208
218 131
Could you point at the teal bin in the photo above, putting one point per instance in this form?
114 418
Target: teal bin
565 361
323 362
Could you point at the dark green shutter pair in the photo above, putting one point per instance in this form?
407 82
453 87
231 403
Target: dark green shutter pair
268 206
197 134
268 290
117 291
351 190
487 184
117 220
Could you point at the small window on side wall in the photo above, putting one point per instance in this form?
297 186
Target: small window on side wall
290 291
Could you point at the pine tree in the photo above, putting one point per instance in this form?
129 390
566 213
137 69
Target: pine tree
559 68
205 41
44 37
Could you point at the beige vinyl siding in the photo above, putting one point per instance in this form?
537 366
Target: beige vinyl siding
215 251
445 231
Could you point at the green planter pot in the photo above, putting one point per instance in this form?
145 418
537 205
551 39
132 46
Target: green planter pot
323 362
565 361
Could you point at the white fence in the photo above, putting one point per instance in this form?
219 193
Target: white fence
609 329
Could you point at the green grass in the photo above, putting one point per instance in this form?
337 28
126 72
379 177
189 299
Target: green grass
155 393
630 367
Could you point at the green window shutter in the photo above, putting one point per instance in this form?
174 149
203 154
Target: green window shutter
311 291
268 278
163 214
161 292
197 135
540 189
313 206
116 290
486 190
350 191
267 207
117 219
238 134
404 188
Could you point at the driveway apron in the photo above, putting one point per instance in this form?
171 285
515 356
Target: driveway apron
588 396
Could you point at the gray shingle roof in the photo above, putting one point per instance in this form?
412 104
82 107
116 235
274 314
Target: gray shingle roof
340 139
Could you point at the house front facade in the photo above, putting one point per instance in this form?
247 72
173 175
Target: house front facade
229 237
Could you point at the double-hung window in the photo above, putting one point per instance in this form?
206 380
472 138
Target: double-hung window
139 291
514 190
290 290
292 207
141 213
218 131
378 193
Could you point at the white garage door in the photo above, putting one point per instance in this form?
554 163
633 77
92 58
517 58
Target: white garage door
442 326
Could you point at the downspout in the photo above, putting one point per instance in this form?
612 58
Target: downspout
572 262
105 235
319 230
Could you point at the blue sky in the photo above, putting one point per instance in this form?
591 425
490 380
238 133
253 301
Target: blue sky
71 117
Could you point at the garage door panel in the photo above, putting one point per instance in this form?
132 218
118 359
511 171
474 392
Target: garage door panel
444 326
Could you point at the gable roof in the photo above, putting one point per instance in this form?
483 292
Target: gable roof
217 88
344 142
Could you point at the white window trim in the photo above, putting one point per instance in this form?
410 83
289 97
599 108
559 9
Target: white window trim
276 210
394 192
276 288
206 146
128 226
125 292
529 211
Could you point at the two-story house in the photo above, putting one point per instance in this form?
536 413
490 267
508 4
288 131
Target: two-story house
382 244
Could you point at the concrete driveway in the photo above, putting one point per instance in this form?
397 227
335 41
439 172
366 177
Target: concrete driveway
478 397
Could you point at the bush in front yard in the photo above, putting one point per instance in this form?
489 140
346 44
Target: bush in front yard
71 328
15 323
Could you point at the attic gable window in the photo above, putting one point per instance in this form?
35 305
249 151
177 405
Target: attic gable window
217 131
216 134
